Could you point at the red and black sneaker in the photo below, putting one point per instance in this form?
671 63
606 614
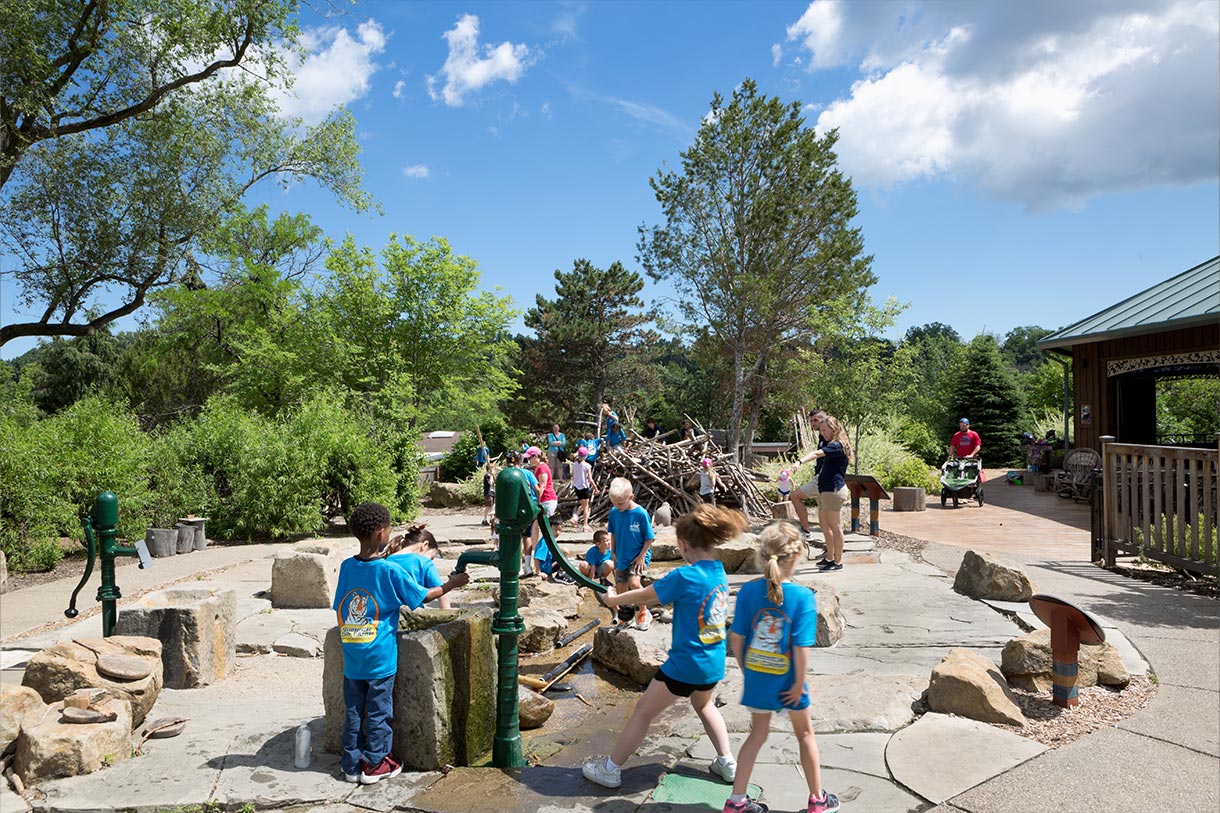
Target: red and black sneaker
388 768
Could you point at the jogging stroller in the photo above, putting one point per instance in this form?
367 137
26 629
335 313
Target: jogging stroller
961 479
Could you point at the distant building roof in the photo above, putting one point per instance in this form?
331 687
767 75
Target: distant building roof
436 445
1188 299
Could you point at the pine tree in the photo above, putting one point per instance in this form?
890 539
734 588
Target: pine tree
985 392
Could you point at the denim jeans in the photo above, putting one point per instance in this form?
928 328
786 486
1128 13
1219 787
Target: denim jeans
367 736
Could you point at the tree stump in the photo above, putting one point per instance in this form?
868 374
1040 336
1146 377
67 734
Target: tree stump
783 510
1044 482
910 499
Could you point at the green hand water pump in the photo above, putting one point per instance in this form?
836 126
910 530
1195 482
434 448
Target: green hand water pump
101 530
515 510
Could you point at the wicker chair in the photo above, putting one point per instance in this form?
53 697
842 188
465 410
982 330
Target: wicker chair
1075 479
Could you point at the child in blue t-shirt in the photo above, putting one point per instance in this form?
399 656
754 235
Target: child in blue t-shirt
631 536
368 596
699 593
418 559
599 559
774 626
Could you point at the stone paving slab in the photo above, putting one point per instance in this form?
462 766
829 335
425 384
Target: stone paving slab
939 756
878 660
1172 715
784 788
862 753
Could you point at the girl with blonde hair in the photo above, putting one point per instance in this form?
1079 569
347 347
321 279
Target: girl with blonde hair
774 626
699 593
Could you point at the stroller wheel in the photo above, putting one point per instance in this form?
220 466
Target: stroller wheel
944 498
955 501
978 498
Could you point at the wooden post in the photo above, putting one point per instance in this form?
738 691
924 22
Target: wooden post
1107 502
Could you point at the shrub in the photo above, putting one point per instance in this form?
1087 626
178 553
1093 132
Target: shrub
911 472
921 441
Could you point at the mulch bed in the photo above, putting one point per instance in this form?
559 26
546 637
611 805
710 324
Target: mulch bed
1100 707
1163 576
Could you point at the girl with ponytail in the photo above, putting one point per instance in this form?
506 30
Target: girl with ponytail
774 625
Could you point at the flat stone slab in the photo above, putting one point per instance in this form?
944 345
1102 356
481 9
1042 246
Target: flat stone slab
862 753
298 645
841 703
784 788
257 634
940 756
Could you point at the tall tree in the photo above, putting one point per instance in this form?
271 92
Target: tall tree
984 391
1021 346
935 351
129 129
590 337
757 232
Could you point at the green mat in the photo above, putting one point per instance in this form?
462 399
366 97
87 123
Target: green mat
683 789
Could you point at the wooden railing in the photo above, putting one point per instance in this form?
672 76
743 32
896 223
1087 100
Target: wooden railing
1160 501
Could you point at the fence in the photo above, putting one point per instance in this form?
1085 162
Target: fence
1160 501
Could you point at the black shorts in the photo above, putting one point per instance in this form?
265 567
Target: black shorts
710 499
583 493
679 688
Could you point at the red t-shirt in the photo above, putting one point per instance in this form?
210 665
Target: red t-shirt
548 491
965 443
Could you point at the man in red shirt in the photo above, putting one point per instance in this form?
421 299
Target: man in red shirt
966 442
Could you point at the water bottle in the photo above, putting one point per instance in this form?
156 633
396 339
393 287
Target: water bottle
303 746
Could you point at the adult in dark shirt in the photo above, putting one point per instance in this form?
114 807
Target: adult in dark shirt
810 489
653 429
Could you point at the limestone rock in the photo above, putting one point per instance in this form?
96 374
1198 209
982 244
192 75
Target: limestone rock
663 517
15 703
297 645
304 577
444 696
533 707
665 545
830 614
542 629
988 576
3 571
60 670
197 627
737 552
446 495
49 748
633 653
1026 663
967 684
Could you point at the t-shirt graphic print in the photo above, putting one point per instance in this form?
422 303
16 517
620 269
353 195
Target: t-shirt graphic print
714 615
767 653
358 617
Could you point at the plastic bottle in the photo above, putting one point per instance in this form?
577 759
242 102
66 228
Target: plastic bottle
304 750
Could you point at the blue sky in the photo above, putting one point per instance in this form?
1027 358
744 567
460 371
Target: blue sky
1016 164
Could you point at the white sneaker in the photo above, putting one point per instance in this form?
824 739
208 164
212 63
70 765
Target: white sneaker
354 778
725 768
643 620
597 771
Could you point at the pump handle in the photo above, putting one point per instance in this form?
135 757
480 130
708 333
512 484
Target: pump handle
90 543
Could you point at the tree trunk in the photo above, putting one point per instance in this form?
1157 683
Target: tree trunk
739 394
760 383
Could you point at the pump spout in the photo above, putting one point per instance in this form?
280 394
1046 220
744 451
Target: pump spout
477 557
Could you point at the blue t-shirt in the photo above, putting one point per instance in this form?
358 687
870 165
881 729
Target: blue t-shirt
596 558
592 444
421 569
481 456
556 442
699 593
770 634
542 553
533 489
615 435
628 531
367 599
834 467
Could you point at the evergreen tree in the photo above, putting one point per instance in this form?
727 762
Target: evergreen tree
985 392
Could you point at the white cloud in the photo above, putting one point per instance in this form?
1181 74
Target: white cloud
777 54
1040 102
416 171
465 71
545 110
335 70
399 87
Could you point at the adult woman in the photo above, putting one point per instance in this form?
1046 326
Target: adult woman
556 442
835 454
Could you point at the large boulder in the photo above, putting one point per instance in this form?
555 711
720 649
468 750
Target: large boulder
967 684
989 576
445 693
304 577
737 552
1026 663
197 628
60 670
446 495
48 748
542 629
15 703
533 708
665 545
830 614
631 652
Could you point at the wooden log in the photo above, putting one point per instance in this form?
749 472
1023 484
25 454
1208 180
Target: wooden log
783 510
910 499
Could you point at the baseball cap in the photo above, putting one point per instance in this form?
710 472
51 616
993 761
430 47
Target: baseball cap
707 461
964 420
532 451
582 452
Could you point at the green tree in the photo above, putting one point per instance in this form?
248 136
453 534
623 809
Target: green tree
1189 407
936 350
127 139
757 233
415 329
985 392
591 339
1021 346
62 371
855 373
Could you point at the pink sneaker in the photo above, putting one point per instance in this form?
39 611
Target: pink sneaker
748 806
829 803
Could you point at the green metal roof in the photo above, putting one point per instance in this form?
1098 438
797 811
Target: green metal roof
1190 298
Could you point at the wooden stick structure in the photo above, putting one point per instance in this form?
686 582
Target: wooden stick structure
669 472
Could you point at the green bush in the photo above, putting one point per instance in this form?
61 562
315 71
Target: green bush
911 472
922 442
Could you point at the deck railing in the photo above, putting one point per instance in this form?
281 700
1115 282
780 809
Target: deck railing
1160 501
